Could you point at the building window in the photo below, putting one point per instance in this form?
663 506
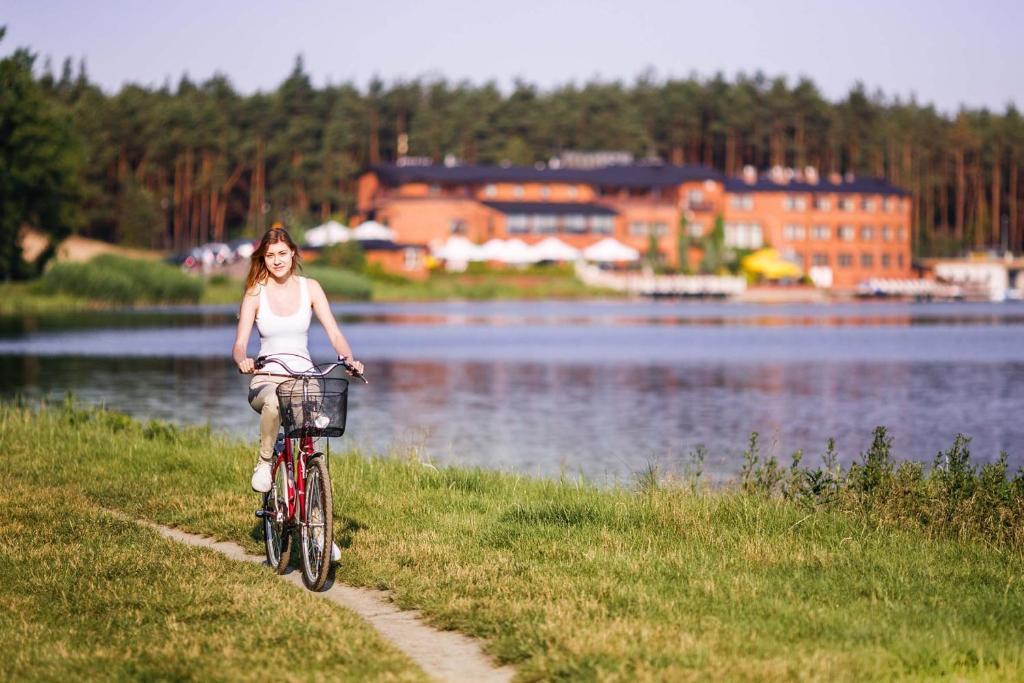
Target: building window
457 226
695 197
899 261
572 192
819 259
545 224
794 203
821 232
603 225
845 260
846 233
518 223
518 191
867 204
822 204
659 229
901 234
887 204
886 260
637 229
867 233
846 204
886 233
794 233
695 229
545 192
866 260
576 223
744 235
490 190
742 201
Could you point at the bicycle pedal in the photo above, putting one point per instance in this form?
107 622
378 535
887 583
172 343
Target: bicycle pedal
261 513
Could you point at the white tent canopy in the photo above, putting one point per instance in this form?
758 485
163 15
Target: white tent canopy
516 251
492 249
610 250
459 249
554 249
330 232
372 230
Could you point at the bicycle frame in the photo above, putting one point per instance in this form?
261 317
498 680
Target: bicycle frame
295 493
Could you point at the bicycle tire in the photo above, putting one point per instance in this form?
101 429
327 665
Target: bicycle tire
276 532
317 533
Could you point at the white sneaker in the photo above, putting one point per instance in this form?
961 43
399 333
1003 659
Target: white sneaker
335 553
261 478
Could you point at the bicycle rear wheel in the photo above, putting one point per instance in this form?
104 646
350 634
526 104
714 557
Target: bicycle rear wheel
276 531
317 532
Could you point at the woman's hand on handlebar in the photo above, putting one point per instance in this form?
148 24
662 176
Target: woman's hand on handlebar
352 367
247 366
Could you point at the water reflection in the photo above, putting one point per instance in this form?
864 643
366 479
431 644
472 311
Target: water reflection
533 314
606 421
602 388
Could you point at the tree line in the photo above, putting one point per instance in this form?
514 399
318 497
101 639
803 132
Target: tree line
175 166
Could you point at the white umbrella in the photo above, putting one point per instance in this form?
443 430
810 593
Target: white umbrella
554 249
610 249
517 251
459 249
330 232
372 230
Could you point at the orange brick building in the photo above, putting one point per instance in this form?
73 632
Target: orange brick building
858 228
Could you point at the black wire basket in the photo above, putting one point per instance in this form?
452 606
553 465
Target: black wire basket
313 406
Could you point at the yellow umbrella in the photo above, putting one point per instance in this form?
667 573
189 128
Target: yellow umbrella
769 264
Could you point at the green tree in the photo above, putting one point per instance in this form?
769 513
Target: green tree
39 162
714 247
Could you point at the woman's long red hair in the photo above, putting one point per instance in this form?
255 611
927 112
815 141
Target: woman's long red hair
258 272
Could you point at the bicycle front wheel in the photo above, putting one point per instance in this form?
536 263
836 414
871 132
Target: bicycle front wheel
276 531
317 532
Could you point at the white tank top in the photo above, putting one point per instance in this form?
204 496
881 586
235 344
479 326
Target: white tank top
286 333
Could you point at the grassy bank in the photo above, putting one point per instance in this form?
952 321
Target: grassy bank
88 596
569 580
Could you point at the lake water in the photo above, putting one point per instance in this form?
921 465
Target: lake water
599 388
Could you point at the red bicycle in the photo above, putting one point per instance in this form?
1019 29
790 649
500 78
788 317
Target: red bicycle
313 406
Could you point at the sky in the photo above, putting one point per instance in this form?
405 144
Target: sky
944 52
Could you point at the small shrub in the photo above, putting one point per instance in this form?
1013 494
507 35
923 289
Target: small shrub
345 255
868 477
121 280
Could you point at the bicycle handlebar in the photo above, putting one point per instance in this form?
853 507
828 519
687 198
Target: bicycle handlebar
262 361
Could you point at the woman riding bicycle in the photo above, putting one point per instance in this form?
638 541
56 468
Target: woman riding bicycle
281 304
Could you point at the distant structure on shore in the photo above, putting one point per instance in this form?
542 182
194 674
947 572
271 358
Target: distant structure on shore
841 230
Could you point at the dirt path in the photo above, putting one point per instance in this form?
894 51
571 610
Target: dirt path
444 655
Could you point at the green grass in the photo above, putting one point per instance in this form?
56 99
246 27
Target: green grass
574 581
340 284
89 596
486 283
24 298
119 280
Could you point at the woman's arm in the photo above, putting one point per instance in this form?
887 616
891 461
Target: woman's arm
323 313
246 318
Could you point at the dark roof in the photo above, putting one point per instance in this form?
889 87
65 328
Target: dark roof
386 245
864 185
552 208
634 175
